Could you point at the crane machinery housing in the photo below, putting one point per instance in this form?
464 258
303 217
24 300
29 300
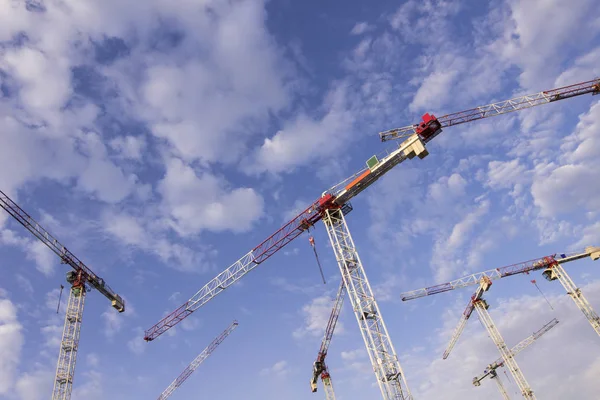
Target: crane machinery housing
332 207
82 279
197 361
522 345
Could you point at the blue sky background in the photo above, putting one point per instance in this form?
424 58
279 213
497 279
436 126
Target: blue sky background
161 141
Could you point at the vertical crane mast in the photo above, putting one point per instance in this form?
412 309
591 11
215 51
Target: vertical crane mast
319 366
478 303
81 279
389 374
491 369
197 361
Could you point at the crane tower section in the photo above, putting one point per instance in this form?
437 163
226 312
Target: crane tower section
197 361
386 366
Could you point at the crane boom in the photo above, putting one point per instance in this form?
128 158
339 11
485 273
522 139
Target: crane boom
319 366
336 197
519 347
197 361
484 286
497 273
65 255
499 108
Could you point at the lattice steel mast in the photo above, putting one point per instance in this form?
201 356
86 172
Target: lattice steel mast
479 304
319 366
491 368
81 279
382 354
197 361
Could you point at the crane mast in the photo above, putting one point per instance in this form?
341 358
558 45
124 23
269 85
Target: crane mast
478 303
389 374
494 109
319 366
81 279
197 361
522 345
338 197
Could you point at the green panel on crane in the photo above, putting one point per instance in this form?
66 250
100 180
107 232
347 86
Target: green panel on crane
372 162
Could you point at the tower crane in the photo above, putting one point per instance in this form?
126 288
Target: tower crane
491 368
332 207
197 361
319 366
479 304
552 270
82 279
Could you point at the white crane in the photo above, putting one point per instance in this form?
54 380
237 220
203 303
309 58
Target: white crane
82 279
197 361
331 208
522 345
552 270
479 304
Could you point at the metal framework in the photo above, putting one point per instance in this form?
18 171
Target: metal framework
81 279
552 266
478 304
501 107
511 364
319 367
389 374
336 197
522 345
67 357
556 271
197 361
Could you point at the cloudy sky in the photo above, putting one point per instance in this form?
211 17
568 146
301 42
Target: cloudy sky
162 140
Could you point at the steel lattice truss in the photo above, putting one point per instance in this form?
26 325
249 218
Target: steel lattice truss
197 361
519 347
382 354
507 356
501 107
67 358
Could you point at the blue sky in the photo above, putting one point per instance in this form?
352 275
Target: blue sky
161 142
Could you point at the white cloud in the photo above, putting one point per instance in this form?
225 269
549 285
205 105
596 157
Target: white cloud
113 322
305 138
201 201
11 342
316 315
136 345
35 385
92 359
505 174
361 27
129 147
279 369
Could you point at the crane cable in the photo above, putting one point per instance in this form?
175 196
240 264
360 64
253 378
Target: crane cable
59 297
540 290
311 240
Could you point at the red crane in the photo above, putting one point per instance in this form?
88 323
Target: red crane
338 197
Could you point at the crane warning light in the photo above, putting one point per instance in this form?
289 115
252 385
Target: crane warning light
429 128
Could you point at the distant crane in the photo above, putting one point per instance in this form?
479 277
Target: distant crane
332 207
197 361
319 367
491 368
552 270
81 279
479 304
